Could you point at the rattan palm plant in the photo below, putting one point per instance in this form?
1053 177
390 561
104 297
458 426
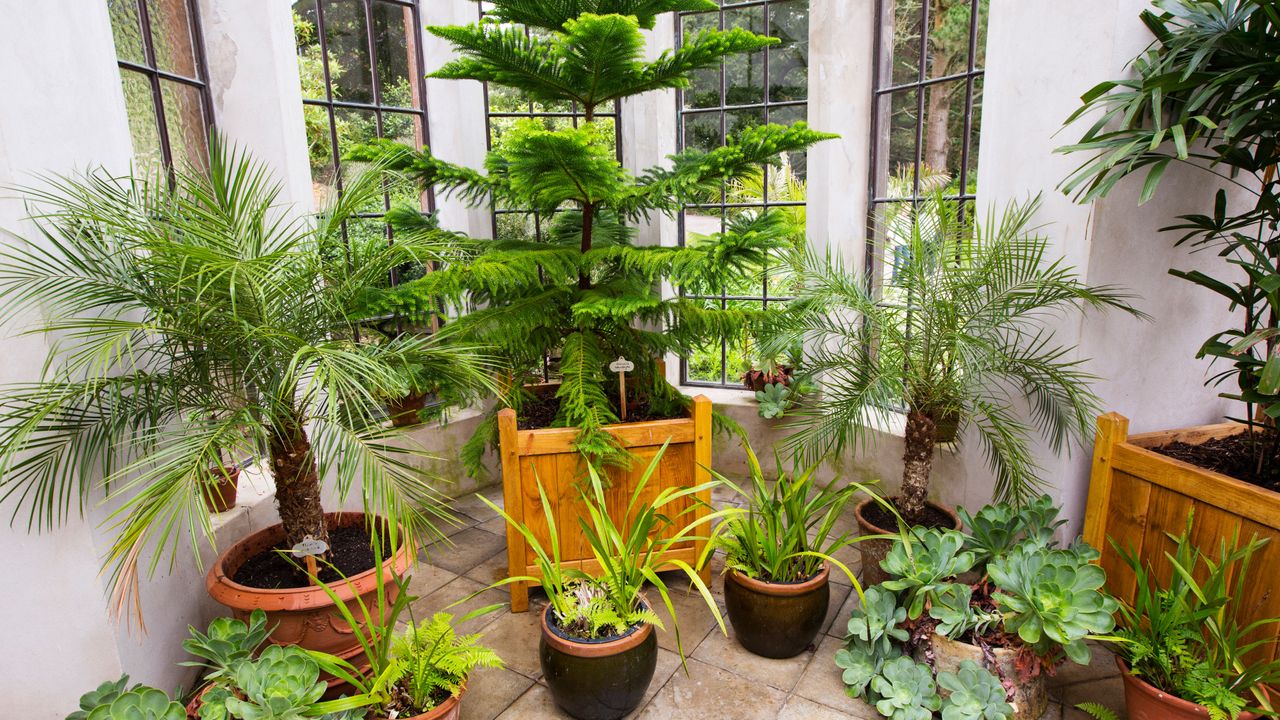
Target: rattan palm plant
194 320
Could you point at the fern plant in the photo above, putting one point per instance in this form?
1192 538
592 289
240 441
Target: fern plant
436 661
585 292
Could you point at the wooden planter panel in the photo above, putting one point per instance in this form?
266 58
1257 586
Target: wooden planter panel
1138 497
547 456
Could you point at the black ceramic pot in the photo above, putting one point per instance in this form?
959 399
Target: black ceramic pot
776 620
597 680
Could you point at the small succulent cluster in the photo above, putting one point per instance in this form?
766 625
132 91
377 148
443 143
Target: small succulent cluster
117 701
1021 591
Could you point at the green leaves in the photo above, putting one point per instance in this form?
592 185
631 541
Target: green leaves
282 684
976 694
554 14
774 400
907 691
922 564
227 642
550 168
876 622
434 658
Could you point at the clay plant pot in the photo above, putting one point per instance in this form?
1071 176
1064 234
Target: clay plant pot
406 411
946 428
450 709
1144 701
777 620
220 496
1030 696
873 551
304 616
597 680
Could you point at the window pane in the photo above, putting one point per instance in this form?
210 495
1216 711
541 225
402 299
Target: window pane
705 90
943 134
184 118
902 145
140 104
126 28
789 61
310 61
903 36
397 67
171 35
347 38
744 72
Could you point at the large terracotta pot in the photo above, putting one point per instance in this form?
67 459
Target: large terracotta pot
221 496
602 680
405 412
1030 697
776 620
1146 702
874 551
303 616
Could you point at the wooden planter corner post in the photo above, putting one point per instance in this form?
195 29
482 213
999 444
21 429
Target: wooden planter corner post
547 456
1138 497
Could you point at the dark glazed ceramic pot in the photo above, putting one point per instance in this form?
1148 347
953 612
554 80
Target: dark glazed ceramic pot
598 680
777 620
873 551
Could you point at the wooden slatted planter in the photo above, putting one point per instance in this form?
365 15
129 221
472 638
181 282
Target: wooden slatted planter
547 456
1138 496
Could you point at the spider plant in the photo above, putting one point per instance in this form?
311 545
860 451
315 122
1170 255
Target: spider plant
789 527
193 316
961 331
627 555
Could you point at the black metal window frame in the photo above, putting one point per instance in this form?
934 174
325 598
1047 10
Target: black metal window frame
332 104
724 109
882 96
150 69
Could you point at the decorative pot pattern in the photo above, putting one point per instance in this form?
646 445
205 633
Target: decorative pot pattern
1030 697
598 680
777 620
303 616
873 551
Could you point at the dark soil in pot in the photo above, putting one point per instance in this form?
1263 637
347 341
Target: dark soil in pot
873 519
599 679
349 551
541 411
1232 456
776 620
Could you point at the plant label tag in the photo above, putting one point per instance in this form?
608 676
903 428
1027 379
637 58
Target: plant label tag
621 365
310 547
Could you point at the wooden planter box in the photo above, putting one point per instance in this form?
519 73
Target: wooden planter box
547 456
1137 497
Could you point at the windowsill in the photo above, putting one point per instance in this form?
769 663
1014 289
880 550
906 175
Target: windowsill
894 424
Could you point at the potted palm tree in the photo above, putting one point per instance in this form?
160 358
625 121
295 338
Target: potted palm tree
599 647
779 557
959 333
200 318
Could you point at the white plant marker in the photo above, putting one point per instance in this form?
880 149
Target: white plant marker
622 366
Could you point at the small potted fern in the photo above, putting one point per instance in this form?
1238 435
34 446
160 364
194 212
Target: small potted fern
778 558
599 646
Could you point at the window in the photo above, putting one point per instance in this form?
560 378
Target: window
770 86
162 71
360 64
926 117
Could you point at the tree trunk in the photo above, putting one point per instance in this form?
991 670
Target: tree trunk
588 221
917 462
297 485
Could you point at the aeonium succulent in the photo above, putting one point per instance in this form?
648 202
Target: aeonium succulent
976 694
907 690
923 562
282 684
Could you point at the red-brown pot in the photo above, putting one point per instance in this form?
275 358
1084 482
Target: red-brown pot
450 709
406 411
873 551
1144 701
303 616
221 495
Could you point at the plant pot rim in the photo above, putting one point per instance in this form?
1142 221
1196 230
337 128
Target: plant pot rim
782 589
226 591
862 519
442 709
593 648
1164 698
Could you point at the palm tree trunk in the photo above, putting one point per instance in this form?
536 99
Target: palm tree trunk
297 485
917 462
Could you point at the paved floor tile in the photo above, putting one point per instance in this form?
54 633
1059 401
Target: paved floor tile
726 654
708 692
465 550
821 682
491 691
469 595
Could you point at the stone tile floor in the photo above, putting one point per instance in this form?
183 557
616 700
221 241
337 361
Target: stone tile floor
719 678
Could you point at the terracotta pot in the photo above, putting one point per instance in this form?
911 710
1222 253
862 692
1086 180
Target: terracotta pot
405 411
1144 701
600 680
946 428
303 616
220 496
777 620
1030 696
450 709
874 551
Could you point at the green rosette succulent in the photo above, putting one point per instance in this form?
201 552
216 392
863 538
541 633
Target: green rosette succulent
1053 598
140 703
923 563
282 684
976 694
875 622
996 529
906 690
227 642
101 695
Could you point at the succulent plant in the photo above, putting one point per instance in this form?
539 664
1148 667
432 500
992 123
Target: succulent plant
922 563
101 695
875 622
906 690
860 664
227 642
952 607
773 400
282 684
996 529
1052 598
976 694
137 703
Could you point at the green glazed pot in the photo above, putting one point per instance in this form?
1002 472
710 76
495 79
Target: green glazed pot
598 680
776 620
